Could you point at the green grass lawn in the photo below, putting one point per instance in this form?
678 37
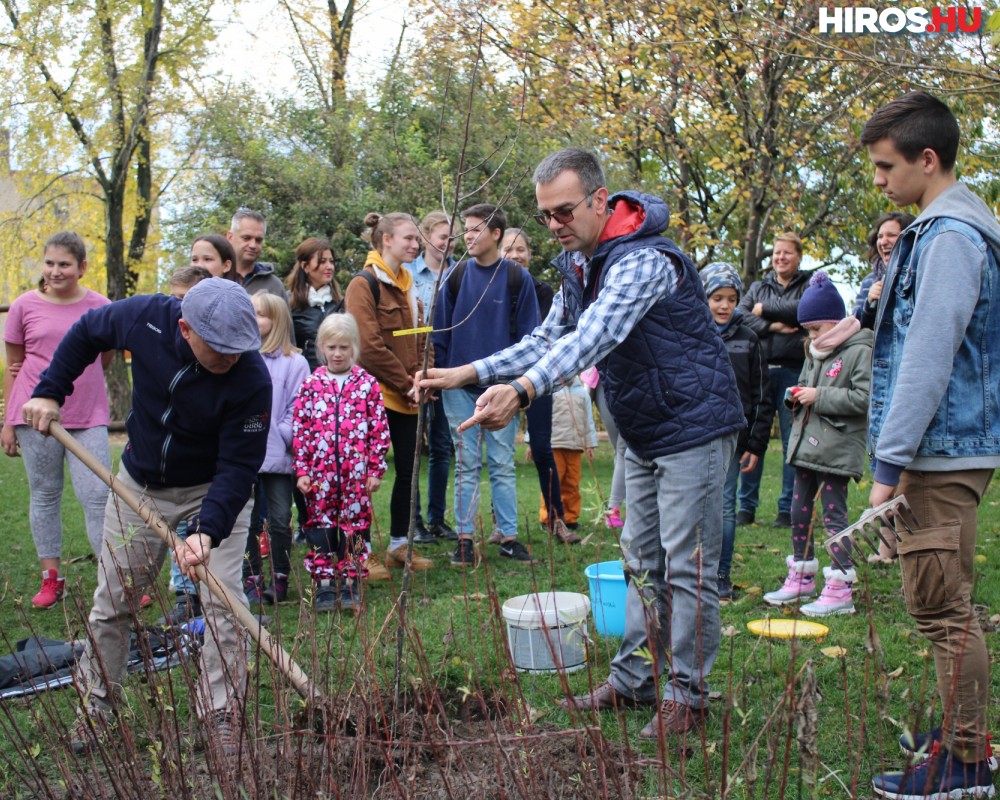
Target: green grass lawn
866 680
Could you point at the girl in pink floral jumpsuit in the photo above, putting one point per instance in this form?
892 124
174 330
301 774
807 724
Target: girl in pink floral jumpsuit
340 437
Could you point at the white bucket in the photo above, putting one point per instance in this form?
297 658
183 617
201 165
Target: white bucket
547 631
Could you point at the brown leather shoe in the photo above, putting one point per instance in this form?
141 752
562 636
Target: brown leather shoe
396 559
376 569
674 718
564 534
603 697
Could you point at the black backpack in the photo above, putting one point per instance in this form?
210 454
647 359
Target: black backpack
372 284
515 277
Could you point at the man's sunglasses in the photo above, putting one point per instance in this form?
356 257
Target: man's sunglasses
544 218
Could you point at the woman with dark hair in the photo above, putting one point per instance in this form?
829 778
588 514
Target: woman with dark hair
36 324
383 300
313 293
880 243
214 253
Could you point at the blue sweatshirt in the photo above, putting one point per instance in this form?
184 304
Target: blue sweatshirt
484 295
187 426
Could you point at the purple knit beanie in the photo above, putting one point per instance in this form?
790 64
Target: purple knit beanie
821 301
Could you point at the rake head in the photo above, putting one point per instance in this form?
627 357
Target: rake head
877 528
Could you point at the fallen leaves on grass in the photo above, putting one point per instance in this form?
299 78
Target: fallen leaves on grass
836 651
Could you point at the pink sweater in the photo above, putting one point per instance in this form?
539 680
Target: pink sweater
39 326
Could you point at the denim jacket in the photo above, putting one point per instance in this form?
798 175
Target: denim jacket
947 416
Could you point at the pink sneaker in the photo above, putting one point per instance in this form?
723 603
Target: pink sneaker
53 588
799 585
613 518
836 595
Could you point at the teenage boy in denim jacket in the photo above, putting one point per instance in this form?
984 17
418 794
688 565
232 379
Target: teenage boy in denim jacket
935 431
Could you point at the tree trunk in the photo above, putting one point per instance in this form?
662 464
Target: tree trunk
116 375
119 387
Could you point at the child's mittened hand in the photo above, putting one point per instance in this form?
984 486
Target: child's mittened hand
372 483
303 484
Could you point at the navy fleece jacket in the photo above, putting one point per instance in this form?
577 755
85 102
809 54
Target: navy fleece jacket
187 426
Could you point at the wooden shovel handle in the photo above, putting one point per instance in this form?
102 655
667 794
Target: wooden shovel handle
282 660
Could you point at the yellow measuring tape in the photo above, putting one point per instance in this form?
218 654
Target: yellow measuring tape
412 331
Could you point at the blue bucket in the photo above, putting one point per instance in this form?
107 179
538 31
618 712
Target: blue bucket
607 597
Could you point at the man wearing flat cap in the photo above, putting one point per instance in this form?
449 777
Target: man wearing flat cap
197 433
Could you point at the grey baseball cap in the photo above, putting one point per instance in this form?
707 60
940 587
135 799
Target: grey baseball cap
221 313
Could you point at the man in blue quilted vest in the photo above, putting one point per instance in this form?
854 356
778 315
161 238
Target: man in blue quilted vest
632 303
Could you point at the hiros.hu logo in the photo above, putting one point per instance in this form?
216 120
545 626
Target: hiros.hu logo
940 19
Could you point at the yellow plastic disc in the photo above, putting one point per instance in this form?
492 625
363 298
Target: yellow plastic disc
787 628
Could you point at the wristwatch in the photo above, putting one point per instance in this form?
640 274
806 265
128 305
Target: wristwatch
522 394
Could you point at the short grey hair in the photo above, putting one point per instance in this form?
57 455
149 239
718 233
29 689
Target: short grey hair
246 213
583 162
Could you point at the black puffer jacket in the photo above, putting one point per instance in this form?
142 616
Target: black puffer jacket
781 304
746 355
306 322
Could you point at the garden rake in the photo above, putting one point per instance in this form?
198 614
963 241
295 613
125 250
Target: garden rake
876 527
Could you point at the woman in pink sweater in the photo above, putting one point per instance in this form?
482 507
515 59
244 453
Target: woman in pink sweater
36 323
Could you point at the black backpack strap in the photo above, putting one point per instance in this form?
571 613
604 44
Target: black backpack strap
515 279
372 284
455 278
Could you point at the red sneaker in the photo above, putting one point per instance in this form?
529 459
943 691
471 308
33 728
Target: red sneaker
265 544
53 588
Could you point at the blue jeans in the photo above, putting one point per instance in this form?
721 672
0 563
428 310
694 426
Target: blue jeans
671 544
729 515
438 463
459 405
781 378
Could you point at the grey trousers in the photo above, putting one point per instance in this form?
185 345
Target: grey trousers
671 544
131 558
43 462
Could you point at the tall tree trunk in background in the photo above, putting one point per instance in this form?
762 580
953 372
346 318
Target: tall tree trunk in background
103 95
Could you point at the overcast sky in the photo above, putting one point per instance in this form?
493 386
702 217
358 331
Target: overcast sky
256 45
